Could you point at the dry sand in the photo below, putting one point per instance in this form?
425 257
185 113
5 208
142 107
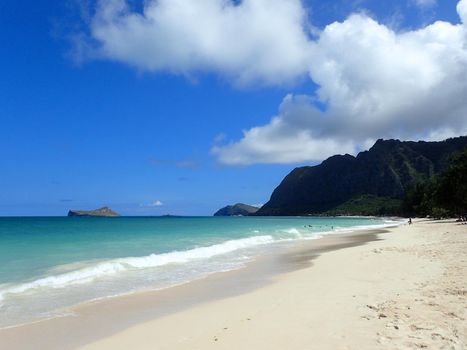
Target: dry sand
407 290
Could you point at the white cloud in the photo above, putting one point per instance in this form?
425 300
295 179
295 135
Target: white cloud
287 138
374 83
153 204
249 41
425 3
219 138
462 11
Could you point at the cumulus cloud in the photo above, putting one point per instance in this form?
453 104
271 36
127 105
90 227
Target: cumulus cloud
373 82
252 40
292 136
462 11
156 203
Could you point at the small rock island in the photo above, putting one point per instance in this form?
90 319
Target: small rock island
104 211
238 209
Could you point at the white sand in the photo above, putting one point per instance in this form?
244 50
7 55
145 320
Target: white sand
407 291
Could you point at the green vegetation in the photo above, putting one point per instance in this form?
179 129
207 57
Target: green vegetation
441 196
375 182
444 195
368 205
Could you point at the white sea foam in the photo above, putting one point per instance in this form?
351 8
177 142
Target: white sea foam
296 234
112 267
293 231
387 223
86 280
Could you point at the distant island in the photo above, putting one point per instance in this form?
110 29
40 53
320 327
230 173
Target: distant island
392 178
238 209
104 211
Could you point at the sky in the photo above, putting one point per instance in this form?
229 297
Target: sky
184 106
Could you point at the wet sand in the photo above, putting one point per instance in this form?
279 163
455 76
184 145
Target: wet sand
400 288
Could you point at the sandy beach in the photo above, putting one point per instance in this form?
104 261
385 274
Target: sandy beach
401 288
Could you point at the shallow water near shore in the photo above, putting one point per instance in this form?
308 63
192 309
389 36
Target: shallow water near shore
50 264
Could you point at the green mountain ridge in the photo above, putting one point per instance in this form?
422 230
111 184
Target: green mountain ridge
237 209
372 183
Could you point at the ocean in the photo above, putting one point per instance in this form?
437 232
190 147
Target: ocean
48 264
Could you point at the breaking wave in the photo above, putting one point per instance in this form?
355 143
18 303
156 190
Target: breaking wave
115 266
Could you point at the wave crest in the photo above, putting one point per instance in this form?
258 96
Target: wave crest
112 267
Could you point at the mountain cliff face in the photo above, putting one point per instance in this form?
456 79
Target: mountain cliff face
105 211
237 209
375 179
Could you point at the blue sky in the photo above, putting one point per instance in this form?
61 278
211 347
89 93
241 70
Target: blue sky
83 129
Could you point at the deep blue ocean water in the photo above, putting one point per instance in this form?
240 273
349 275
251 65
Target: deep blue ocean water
50 263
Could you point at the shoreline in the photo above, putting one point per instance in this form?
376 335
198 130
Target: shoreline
255 274
56 288
372 294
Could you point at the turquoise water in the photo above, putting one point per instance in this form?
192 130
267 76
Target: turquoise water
48 264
